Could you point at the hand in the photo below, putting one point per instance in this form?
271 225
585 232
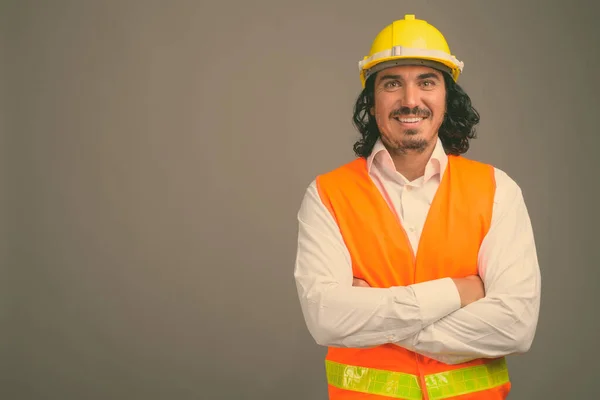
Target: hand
470 289
360 283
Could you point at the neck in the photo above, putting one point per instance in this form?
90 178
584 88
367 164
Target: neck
411 163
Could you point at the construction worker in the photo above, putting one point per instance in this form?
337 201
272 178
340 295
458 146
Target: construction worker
416 266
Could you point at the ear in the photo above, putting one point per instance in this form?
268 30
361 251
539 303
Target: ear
372 111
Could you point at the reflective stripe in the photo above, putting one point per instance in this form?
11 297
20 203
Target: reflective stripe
373 381
399 385
467 380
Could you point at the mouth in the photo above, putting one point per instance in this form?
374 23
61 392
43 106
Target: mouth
412 121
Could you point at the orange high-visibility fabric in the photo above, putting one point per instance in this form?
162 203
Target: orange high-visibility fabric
458 220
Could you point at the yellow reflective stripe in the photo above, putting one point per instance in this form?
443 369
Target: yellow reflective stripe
373 381
399 385
467 380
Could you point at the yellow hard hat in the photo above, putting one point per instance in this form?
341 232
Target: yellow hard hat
409 41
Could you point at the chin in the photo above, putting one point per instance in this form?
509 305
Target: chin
411 132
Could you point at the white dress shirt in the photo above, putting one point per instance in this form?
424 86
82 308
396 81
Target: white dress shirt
424 317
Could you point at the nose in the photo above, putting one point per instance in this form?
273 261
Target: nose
410 96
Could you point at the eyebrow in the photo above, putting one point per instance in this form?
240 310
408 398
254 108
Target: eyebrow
429 75
425 75
387 77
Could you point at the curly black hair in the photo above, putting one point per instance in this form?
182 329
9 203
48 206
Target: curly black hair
455 132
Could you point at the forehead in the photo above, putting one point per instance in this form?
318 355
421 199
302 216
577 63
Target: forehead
408 72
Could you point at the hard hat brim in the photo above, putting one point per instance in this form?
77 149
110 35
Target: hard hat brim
408 61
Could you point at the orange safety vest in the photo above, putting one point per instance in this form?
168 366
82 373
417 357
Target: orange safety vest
458 220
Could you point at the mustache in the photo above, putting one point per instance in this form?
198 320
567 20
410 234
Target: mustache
415 111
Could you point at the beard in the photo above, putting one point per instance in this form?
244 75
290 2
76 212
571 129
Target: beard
409 142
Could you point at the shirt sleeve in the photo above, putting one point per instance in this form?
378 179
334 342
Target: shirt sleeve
340 315
505 320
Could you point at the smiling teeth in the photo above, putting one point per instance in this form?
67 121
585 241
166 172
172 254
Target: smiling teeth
410 119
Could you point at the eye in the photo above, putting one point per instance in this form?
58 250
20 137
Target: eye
392 85
428 83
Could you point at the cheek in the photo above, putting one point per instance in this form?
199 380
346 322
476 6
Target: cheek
441 113
381 121
438 119
439 109
383 104
379 113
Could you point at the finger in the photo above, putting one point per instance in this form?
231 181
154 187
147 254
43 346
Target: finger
360 283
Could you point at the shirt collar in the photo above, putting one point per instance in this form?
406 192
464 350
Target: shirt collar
436 165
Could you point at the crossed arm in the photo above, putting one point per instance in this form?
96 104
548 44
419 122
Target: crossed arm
446 319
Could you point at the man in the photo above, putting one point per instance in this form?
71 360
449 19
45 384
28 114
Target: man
416 266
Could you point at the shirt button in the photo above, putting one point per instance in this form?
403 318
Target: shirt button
411 228
409 188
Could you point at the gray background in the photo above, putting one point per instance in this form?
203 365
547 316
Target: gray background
155 155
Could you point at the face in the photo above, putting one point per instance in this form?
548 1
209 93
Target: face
410 102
